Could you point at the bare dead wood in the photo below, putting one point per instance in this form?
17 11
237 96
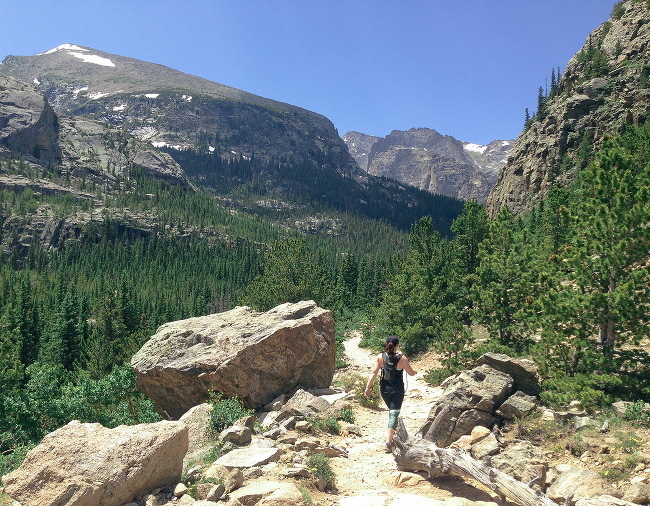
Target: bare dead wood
417 454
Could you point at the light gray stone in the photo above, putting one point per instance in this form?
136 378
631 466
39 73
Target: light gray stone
248 457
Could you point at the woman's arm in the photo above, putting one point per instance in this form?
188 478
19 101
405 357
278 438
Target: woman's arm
404 364
373 375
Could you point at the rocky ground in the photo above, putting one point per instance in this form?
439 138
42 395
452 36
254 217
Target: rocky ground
369 477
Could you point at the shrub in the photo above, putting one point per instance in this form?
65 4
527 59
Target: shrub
357 384
326 424
319 465
618 10
225 411
347 415
636 413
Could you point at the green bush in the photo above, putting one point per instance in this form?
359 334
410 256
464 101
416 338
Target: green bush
636 413
618 10
347 415
356 383
325 424
319 465
225 411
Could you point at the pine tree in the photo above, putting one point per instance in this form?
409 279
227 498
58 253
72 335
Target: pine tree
504 292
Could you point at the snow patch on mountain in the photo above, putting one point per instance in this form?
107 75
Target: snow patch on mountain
475 148
93 58
81 53
63 47
151 95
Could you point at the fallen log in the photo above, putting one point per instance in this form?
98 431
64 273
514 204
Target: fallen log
418 454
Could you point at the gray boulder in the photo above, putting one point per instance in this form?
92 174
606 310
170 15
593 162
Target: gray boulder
582 483
523 372
517 405
470 399
85 464
254 356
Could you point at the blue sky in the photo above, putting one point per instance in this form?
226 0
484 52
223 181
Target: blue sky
467 68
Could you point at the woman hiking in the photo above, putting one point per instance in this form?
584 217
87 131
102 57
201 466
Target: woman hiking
391 385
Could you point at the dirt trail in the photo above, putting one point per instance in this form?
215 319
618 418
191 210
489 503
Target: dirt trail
369 471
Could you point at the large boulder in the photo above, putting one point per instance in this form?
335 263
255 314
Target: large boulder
254 356
470 399
85 464
523 372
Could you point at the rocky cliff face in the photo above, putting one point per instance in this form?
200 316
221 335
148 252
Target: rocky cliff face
28 124
359 146
163 106
605 85
423 158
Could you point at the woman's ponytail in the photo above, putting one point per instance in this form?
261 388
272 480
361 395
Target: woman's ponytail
391 345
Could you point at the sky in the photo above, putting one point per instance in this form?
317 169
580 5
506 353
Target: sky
466 68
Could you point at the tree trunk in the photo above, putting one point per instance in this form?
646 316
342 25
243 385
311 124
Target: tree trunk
417 454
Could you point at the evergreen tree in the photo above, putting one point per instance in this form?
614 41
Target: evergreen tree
504 293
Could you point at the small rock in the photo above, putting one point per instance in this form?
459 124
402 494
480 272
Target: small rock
320 484
193 473
151 500
639 467
237 434
303 426
216 493
638 493
234 480
180 490
216 471
273 433
203 489
584 421
186 500
276 404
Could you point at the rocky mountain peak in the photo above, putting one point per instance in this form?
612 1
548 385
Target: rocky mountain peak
428 160
605 85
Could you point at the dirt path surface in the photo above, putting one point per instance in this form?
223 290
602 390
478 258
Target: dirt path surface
369 477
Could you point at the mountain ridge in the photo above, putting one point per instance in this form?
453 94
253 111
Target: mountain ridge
430 161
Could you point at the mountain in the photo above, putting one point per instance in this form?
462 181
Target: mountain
605 86
427 160
286 166
164 106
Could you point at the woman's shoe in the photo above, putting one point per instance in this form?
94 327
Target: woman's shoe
389 447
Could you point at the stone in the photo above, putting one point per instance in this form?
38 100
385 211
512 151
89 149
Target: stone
276 404
248 457
151 500
296 471
254 356
517 406
638 493
216 471
304 404
582 483
470 398
236 434
197 420
180 490
233 480
523 372
603 500
303 426
85 463
216 493
485 447
580 422
267 493
523 461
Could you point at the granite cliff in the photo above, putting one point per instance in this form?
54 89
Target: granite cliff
605 86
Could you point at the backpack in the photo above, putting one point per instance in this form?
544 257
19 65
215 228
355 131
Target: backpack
390 372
